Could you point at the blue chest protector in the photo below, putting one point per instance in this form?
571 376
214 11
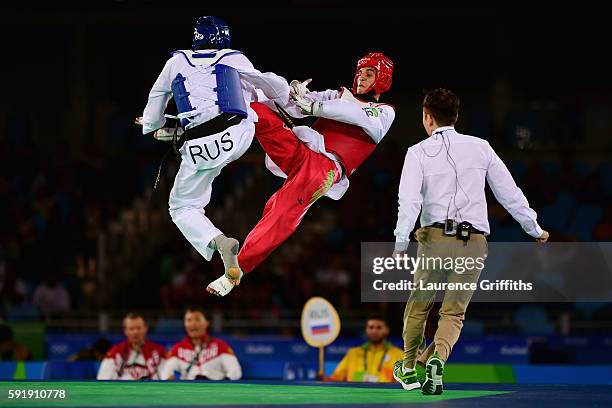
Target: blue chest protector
230 97
181 97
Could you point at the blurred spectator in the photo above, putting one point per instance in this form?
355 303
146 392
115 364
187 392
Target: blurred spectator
334 275
135 358
13 290
51 296
9 349
186 287
372 361
199 355
95 352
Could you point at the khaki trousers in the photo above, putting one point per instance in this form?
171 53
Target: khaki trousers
439 250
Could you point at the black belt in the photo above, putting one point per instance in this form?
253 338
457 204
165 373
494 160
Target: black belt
441 226
215 125
290 121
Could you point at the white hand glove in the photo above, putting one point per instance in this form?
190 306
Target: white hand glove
299 88
307 107
166 134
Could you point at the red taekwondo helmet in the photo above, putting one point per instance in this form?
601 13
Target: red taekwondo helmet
384 72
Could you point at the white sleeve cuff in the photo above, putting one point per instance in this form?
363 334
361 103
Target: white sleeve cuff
152 127
537 233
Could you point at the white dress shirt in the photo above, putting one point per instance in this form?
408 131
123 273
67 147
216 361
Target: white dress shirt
444 178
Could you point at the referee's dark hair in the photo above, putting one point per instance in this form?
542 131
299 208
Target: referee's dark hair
443 105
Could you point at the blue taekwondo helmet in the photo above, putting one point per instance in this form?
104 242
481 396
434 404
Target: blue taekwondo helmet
210 31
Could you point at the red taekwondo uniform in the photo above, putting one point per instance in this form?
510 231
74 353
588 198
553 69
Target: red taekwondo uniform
122 362
213 359
316 160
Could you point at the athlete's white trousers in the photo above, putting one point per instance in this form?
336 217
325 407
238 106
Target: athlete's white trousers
202 161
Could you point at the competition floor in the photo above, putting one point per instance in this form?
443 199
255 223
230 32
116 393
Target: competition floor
275 394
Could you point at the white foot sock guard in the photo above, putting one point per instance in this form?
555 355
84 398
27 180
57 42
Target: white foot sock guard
228 249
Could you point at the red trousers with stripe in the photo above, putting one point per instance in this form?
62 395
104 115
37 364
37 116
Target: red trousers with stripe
309 176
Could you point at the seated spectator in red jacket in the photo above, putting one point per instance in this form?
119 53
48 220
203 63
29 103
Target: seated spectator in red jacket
199 355
135 358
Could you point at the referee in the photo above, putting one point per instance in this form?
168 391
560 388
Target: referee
444 179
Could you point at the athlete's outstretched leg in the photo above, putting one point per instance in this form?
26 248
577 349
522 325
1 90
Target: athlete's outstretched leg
277 140
286 208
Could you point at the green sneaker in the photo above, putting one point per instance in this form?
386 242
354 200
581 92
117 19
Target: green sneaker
409 381
420 373
433 380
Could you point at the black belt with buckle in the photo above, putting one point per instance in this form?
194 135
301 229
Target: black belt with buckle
441 226
461 230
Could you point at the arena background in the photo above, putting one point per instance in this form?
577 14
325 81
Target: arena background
76 177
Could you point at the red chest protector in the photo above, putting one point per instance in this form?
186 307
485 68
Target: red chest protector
349 143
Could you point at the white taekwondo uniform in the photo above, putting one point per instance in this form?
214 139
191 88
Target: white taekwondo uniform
203 158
